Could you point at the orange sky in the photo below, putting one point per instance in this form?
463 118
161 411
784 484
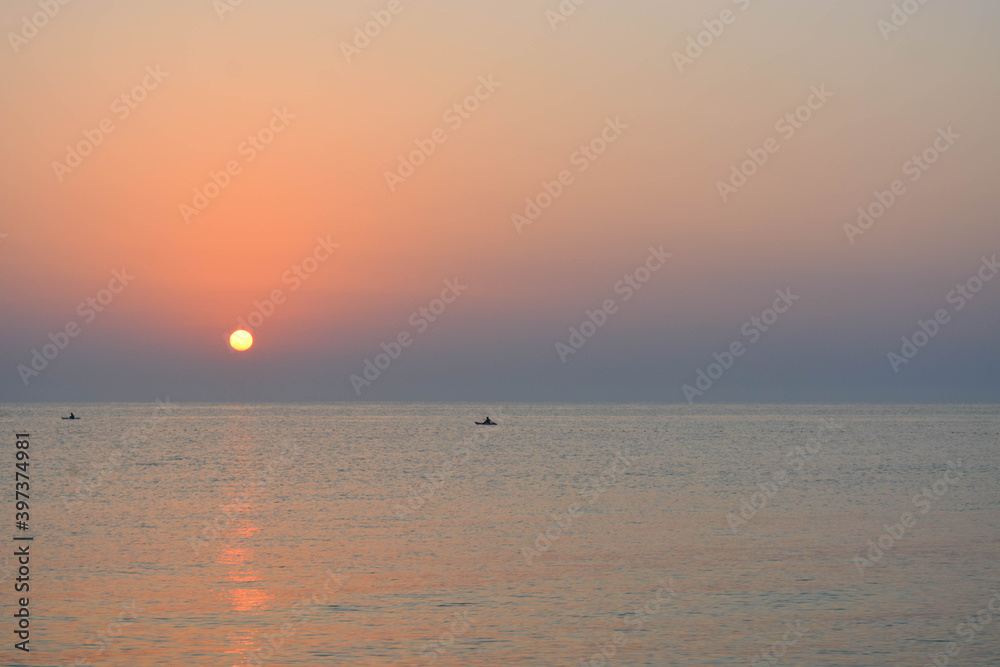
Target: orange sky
220 80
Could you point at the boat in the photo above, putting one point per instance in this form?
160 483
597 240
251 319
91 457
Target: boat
74 417
489 423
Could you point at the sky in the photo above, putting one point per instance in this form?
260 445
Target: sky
589 203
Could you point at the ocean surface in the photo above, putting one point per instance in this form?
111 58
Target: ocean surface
403 534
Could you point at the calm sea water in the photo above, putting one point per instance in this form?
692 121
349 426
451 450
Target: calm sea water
568 535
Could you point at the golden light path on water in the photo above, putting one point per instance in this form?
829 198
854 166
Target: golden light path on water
235 552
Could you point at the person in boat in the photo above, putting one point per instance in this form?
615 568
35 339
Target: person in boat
488 422
72 416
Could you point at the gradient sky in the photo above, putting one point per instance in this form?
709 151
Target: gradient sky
323 176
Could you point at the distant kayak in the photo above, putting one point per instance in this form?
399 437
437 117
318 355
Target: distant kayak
71 417
477 423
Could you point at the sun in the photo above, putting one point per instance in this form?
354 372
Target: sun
241 340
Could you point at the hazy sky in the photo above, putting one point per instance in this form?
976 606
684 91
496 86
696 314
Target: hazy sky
204 151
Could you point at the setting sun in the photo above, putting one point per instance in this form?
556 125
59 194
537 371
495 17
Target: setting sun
241 340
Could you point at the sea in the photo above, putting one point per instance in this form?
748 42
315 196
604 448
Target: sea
581 535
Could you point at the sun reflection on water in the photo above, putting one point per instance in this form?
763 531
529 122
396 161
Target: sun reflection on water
236 552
